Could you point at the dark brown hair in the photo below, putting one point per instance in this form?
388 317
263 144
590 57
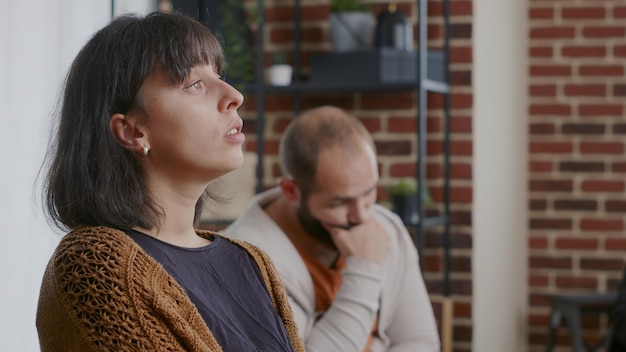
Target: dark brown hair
91 179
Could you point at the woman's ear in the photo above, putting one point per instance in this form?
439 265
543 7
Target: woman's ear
290 189
128 132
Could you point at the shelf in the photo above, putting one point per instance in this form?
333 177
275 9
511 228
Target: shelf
430 222
306 87
421 71
436 87
382 69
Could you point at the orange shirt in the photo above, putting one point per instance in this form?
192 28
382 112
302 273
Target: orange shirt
326 282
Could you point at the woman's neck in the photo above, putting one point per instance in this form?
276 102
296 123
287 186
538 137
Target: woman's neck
177 223
182 237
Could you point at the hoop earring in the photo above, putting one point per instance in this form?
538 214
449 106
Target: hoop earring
144 151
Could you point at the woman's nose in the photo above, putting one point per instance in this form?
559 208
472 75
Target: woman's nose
231 99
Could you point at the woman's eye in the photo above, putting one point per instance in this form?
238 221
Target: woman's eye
197 85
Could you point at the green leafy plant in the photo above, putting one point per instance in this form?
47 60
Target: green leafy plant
406 186
279 58
402 186
347 5
237 44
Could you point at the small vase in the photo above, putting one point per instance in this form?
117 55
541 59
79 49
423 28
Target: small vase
280 75
406 208
350 31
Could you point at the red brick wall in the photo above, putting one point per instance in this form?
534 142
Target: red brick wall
577 122
391 118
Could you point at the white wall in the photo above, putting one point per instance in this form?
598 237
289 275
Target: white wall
500 176
38 40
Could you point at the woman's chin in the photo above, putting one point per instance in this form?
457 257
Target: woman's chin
233 165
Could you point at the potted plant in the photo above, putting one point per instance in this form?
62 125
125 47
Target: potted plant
402 193
351 26
279 73
235 31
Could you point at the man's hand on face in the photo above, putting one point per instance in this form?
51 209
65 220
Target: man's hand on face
367 241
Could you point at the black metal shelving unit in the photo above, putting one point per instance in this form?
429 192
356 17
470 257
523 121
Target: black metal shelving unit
422 86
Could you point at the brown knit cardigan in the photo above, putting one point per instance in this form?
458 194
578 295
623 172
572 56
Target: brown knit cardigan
102 292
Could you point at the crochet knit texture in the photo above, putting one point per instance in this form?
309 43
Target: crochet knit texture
102 292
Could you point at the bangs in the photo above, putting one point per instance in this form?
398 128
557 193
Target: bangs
181 45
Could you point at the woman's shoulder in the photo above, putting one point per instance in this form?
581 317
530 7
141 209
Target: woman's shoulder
94 239
86 251
103 267
103 258
95 231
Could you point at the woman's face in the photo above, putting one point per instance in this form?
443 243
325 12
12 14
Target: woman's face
193 129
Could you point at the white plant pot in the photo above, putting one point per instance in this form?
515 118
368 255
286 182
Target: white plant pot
280 75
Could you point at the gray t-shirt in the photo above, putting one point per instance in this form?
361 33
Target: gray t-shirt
226 286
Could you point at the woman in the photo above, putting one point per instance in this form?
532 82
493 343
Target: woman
146 123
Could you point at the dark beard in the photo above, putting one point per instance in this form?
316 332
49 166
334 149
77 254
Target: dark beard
314 227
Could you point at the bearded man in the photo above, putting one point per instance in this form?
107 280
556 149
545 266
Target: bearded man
348 264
